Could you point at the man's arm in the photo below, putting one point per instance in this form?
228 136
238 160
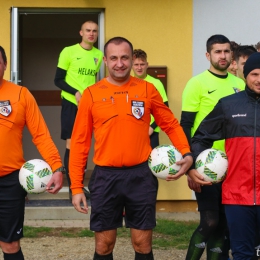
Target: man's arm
42 139
170 125
60 82
187 122
211 129
153 125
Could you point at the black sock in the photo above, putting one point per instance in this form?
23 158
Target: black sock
139 256
103 257
16 256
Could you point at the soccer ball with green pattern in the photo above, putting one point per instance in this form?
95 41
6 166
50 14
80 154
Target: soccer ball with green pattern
212 164
162 161
34 176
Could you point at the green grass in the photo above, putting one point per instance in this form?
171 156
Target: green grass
167 233
33 231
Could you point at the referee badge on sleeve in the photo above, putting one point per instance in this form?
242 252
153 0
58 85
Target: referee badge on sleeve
137 109
5 108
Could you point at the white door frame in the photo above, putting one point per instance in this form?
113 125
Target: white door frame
15 12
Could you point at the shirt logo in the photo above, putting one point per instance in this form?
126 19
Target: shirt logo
79 58
201 245
209 92
137 109
96 60
216 250
5 108
239 115
236 90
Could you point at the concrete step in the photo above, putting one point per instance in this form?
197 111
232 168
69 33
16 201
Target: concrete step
56 210
46 206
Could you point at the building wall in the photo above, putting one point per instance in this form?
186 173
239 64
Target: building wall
162 28
236 19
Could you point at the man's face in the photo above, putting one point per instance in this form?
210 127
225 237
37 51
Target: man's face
240 66
219 57
253 81
140 67
89 33
2 67
232 68
119 61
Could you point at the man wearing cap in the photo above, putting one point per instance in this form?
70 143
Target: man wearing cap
236 119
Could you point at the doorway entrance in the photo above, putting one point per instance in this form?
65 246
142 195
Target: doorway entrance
38 36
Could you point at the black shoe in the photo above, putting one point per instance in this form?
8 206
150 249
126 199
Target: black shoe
87 193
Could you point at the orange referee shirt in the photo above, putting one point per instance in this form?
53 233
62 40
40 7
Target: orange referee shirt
119 117
17 109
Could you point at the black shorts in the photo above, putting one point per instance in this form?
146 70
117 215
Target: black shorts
130 189
12 203
210 197
68 116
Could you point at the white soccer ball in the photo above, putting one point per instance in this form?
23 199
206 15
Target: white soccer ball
162 161
34 176
212 164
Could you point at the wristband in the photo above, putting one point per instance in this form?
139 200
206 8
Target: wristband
61 169
187 154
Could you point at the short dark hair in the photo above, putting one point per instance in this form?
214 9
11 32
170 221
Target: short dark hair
257 46
140 54
3 54
244 51
118 40
233 46
214 39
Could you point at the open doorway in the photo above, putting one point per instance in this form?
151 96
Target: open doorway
41 35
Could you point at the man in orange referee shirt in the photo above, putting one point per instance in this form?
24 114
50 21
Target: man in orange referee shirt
117 110
17 109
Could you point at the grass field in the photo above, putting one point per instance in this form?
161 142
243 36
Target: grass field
167 234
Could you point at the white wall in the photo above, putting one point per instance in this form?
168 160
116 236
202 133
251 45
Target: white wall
236 19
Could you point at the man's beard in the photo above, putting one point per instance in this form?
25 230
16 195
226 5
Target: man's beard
220 68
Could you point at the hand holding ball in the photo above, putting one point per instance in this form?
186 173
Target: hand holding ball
34 176
162 161
212 164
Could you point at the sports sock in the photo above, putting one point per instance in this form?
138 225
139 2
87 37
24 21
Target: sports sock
208 223
16 256
197 246
139 256
103 257
216 249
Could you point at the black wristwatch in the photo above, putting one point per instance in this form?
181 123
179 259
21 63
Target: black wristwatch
61 169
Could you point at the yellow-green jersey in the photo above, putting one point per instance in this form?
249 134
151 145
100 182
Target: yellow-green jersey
81 66
203 92
159 86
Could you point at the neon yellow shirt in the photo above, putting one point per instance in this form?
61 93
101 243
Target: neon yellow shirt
159 86
81 66
202 93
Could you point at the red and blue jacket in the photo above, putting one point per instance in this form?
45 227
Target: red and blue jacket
236 119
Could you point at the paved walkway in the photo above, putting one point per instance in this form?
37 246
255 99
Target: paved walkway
57 223
68 223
